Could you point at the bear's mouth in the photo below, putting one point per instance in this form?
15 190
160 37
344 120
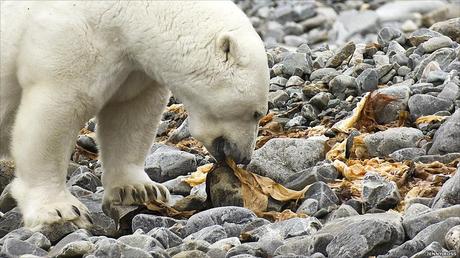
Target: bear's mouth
222 149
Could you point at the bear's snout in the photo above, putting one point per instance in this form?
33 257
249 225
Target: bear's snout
222 148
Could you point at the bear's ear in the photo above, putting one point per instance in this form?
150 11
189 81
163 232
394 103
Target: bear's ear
229 49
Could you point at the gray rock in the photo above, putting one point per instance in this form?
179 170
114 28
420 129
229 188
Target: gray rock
416 209
226 243
404 10
394 48
342 212
86 180
327 199
323 74
297 64
387 34
340 83
449 194
165 163
286 228
450 28
435 232
278 98
141 241
450 92
403 70
309 206
178 186
434 44
191 254
76 249
166 237
295 81
360 239
391 111
342 54
279 80
180 133
10 221
325 173
320 100
20 234
433 248
79 235
452 239
379 192
296 121
231 218
294 246
443 57
209 234
407 154
367 80
421 35
359 236
414 224
352 22
39 240
294 41
445 139
282 157
199 245
14 248
147 222
109 248
309 112
247 250
7 202
383 143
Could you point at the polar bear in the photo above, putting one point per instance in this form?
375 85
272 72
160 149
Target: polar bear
63 62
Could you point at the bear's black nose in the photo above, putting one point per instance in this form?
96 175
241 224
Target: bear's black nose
222 148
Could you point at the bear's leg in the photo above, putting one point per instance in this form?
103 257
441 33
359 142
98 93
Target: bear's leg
45 129
125 133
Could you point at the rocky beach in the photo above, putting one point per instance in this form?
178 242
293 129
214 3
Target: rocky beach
358 156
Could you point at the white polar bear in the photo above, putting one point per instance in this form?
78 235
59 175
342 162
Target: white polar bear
63 62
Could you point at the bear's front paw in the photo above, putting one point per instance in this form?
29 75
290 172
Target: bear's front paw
134 194
50 209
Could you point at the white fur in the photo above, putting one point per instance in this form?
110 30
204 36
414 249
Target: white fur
63 62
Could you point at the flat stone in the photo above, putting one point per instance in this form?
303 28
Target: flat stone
327 199
199 245
86 180
14 248
278 98
431 233
280 158
443 57
435 43
322 73
340 83
367 80
445 139
226 243
379 192
297 64
383 143
165 163
414 224
452 239
387 34
147 222
10 221
325 173
424 105
449 194
165 236
141 241
342 54
407 154
231 218
286 228
359 236
450 28
343 211
209 234
450 92
421 35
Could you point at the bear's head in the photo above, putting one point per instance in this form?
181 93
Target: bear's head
225 112
214 62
